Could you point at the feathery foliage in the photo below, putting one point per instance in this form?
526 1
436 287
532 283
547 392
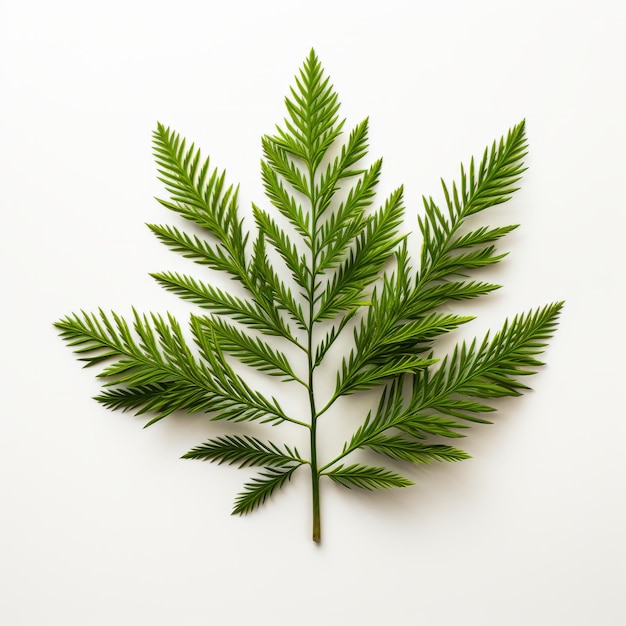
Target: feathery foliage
320 260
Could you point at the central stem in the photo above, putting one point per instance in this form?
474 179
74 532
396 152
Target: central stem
315 475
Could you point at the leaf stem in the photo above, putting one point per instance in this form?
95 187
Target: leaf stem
315 475
295 421
328 404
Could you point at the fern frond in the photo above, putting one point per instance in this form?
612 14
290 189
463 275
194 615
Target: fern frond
489 369
500 168
402 449
482 187
157 360
374 247
481 236
324 346
312 123
245 451
192 247
352 378
340 229
402 307
417 332
382 340
223 303
418 303
366 477
140 398
158 399
340 168
486 371
294 261
198 193
272 294
249 350
238 401
422 425
278 164
259 489
319 263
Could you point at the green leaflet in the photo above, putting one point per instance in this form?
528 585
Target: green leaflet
320 258
366 477
245 451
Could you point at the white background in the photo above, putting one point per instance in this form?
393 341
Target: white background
101 523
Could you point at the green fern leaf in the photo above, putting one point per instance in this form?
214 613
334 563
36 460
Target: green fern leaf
403 449
375 245
366 477
319 267
245 451
259 489
249 350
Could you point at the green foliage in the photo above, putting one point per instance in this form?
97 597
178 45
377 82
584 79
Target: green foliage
325 263
245 451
